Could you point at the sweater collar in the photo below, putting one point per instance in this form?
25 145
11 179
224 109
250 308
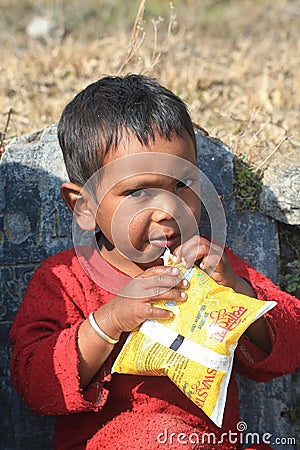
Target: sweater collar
99 270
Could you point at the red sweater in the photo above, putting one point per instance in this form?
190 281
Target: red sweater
127 411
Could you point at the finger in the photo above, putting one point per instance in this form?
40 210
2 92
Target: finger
194 249
190 255
184 284
145 288
187 252
205 249
170 294
137 312
163 281
166 283
212 263
158 270
152 312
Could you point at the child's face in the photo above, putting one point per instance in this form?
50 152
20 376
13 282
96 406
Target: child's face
148 199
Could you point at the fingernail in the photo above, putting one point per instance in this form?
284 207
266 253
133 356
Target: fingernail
172 270
185 282
182 294
183 260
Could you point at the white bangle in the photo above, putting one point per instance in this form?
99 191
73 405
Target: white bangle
98 330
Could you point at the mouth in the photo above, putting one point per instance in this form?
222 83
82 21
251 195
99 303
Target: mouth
162 241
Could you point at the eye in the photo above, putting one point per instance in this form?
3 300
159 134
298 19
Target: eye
137 193
185 183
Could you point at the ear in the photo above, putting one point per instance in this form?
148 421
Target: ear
81 205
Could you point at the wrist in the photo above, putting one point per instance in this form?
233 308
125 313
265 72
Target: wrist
105 337
242 286
231 282
106 324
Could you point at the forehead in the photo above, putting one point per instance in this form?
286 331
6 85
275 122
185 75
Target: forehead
182 147
175 158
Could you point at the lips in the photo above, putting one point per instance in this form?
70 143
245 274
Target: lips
165 240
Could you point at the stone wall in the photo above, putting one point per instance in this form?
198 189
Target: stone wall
34 223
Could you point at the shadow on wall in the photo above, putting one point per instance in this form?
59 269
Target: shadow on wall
35 223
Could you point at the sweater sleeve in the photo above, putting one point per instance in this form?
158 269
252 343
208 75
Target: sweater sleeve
44 363
283 324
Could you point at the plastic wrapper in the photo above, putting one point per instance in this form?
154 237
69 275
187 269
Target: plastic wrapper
195 348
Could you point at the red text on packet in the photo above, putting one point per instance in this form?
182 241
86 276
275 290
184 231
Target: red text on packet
201 388
225 320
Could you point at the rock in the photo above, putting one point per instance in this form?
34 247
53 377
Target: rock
280 197
41 27
251 235
33 224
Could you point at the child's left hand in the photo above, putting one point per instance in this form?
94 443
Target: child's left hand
212 259
216 264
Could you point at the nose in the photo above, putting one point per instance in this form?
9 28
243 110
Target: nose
166 206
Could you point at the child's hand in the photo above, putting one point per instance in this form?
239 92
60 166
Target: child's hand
212 260
134 304
216 264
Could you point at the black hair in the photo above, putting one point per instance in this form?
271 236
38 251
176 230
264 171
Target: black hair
98 117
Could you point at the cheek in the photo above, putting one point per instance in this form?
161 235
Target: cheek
124 226
193 203
138 226
197 211
104 225
105 216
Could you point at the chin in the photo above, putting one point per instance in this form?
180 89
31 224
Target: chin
147 265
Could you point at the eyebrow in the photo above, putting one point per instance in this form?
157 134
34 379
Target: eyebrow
137 182
134 182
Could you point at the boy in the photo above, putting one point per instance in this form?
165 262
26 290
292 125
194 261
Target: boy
130 152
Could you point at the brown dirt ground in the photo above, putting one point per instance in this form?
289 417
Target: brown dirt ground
235 63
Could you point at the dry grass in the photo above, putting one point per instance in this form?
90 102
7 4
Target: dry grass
235 63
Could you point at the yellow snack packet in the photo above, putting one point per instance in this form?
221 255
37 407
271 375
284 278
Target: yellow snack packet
195 349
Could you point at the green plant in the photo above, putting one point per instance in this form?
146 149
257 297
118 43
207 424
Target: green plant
291 413
291 282
247 184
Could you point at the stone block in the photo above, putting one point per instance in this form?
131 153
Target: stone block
280 197
252 235
34 224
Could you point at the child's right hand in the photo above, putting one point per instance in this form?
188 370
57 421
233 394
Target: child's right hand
126 311
134 304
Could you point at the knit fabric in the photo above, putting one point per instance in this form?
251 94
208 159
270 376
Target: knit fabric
127 411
